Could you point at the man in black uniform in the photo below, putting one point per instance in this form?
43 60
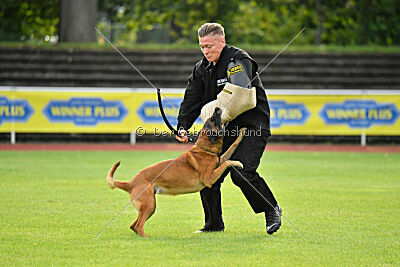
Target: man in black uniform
220 66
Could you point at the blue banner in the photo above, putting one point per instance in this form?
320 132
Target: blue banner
14 110
283 113
85 111
149 111
359 113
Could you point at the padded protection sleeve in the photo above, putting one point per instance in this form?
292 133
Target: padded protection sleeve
238 74
233 100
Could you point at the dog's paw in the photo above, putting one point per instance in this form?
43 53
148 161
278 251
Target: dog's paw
242 131
133 228
238 165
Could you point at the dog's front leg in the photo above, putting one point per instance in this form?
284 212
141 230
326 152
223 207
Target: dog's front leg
228 154
216 174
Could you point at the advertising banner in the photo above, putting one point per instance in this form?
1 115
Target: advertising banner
124 110
335 114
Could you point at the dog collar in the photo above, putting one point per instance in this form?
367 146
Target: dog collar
210 152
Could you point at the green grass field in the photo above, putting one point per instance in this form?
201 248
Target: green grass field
53 204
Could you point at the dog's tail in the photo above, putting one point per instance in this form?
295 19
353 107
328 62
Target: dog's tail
113 184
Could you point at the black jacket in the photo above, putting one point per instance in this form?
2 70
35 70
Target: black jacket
207 80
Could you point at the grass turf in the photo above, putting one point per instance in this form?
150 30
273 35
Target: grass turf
53 204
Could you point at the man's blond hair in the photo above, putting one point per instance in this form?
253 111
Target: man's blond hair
211 29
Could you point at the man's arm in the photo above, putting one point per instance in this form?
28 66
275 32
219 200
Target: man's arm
240 72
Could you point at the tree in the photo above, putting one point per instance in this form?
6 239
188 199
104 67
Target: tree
23 20
78 19
378 23
339 22
320 18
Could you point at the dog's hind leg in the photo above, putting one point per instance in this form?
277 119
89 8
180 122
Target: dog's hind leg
146 205
133 225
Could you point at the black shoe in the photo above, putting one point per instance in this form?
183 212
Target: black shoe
273 219
209 229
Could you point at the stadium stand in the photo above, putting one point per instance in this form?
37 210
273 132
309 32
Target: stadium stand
170 69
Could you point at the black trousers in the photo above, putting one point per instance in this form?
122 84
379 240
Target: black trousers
249 152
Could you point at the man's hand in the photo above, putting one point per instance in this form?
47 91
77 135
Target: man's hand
182 136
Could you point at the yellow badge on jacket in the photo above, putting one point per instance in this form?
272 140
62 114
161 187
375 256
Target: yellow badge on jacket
234 69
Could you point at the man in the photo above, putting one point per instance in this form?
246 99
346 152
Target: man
222 66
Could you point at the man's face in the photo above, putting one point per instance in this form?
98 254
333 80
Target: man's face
211 46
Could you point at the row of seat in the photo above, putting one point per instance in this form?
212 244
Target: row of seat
171 69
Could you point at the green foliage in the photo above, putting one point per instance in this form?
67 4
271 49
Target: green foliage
379 21
342 22
260 24
272 22
22 20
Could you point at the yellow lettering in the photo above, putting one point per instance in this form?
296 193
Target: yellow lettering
99 111
272 113
55 111
66 111
155 112
296 114
352 113
112 112
4 110
19 111
373 114
88 111
380 114
331 114
385 114
340 114
289 114
172 112
150 112
363 114
12 111
346 114
77 111
234 70
282 113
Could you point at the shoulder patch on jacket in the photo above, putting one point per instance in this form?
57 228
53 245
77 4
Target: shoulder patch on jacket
234 69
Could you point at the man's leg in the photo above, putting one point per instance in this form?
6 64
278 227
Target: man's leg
211 200
253 186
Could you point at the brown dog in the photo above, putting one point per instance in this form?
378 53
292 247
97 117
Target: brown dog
190 172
